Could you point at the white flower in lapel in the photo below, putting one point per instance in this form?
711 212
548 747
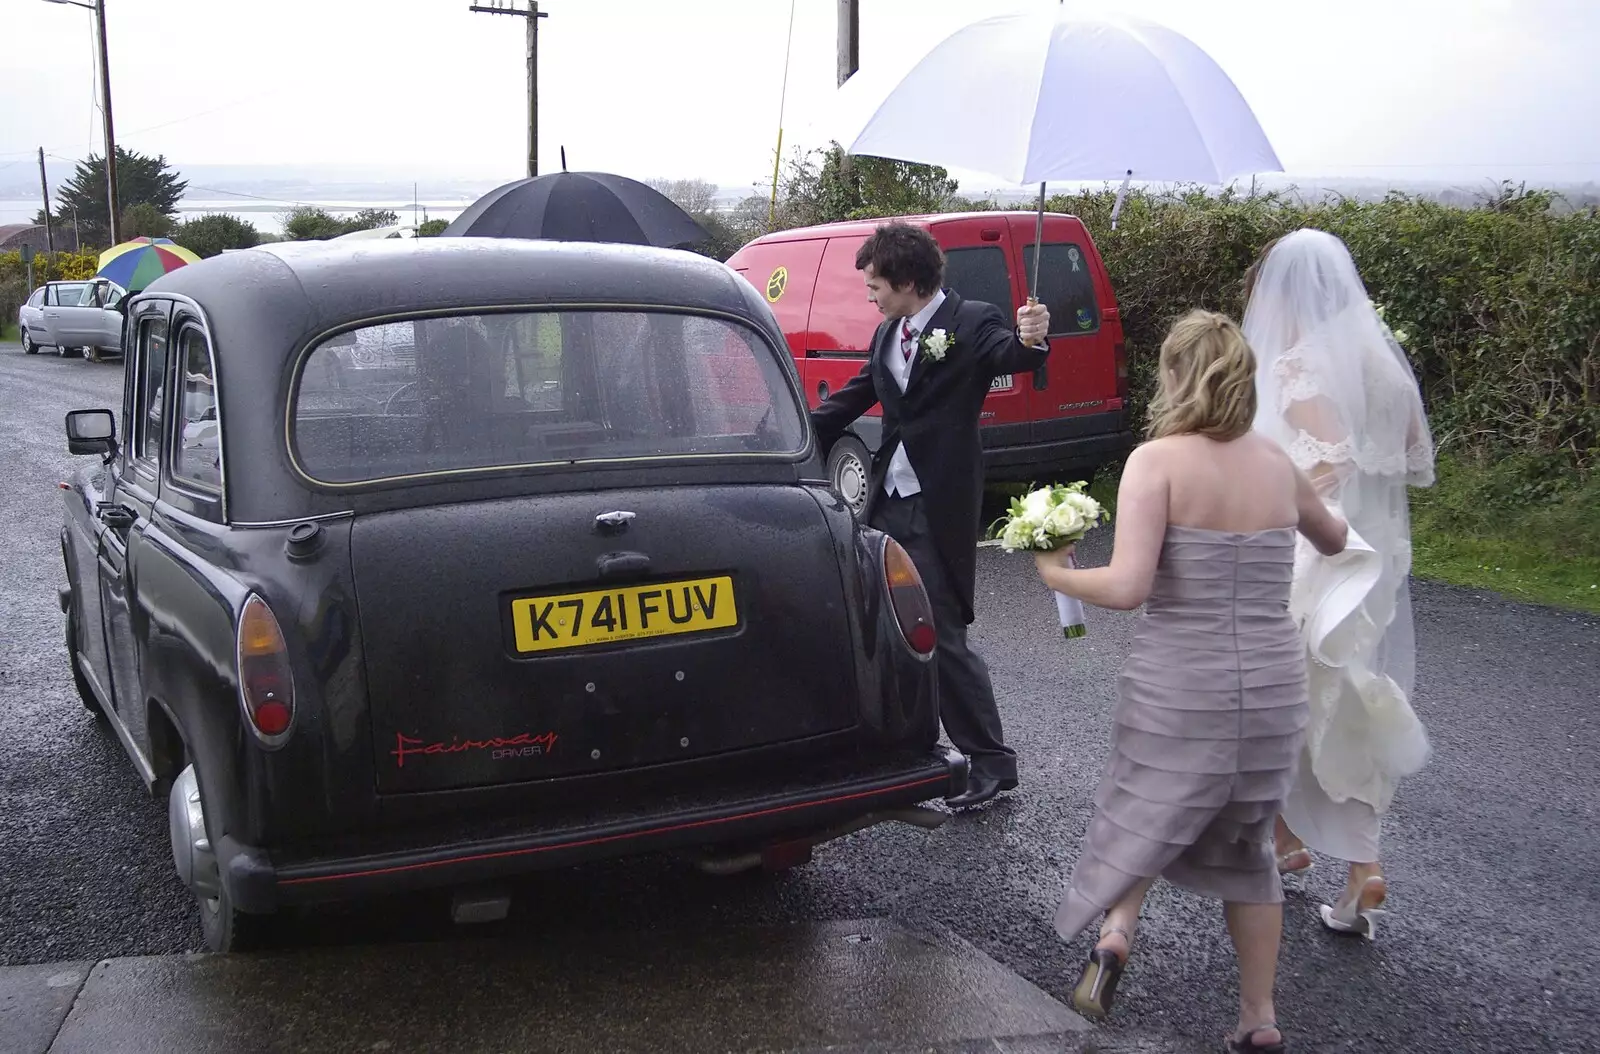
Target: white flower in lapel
935 344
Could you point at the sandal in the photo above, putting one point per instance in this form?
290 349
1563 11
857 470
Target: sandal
1247 1044
1302 858
1097 987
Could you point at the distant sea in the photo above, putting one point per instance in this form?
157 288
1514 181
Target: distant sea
263 202
267 215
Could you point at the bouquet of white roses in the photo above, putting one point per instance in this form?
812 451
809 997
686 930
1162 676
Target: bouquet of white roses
1047 519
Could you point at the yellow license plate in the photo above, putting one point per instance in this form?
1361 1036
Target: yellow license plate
610 616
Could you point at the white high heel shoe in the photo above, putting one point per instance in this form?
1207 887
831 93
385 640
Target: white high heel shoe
1358 916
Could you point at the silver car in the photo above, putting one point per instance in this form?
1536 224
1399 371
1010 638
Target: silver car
74 317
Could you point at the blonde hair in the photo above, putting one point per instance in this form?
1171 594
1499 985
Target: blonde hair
1207 380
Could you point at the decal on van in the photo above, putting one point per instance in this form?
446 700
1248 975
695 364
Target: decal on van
777 282
1085 318
1075 257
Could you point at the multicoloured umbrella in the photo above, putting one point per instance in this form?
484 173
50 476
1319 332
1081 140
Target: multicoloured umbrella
135 264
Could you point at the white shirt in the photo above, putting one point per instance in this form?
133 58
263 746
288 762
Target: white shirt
901 478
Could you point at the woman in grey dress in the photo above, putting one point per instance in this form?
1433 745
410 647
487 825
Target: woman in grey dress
1212 706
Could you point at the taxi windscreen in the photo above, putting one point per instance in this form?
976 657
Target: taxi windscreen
473 392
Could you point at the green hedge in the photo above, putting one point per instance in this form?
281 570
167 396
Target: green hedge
1500 304
47 267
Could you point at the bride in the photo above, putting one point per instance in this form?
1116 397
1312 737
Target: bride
1335 390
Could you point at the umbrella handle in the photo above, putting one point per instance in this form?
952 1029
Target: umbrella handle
1038 244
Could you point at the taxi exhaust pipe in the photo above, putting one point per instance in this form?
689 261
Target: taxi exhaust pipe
791 853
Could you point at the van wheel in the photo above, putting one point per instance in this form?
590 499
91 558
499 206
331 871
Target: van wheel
28 346
226 929
850 473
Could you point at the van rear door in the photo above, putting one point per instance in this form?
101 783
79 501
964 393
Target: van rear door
1080 379
977 252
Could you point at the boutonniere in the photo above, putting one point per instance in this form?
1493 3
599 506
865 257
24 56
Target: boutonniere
936 344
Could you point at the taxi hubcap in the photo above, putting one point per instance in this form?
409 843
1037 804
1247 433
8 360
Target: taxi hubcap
852 480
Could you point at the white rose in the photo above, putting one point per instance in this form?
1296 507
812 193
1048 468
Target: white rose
1037 505
937 343
1087 507
1065 520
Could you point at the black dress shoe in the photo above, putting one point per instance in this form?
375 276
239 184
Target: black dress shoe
979 790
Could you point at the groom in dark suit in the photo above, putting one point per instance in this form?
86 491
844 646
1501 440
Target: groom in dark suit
931 363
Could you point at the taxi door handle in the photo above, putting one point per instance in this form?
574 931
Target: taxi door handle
118 517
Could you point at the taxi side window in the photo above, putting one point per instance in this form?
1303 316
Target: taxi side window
152 375
198 457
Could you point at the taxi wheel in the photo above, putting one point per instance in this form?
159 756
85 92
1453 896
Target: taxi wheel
226 929
850 473
28 346
79 681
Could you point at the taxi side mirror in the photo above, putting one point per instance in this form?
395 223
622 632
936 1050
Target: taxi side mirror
92 432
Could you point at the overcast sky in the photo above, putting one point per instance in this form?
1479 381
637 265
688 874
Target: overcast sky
1462 89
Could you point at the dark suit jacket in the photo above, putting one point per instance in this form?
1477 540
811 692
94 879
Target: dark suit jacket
937 420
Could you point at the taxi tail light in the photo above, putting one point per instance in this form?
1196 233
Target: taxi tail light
266 685
908 597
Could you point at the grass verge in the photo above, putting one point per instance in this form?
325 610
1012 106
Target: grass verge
10 332
1513 526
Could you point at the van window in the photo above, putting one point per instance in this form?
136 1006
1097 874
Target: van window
979 273
444 395
1066 287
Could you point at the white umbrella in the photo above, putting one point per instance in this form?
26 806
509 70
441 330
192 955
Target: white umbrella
1049 95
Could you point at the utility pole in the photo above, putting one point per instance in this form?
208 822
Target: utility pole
849 58
111 139
532 14
849 39
99 9
44 185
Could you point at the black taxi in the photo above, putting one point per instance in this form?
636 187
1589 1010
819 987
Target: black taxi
422 563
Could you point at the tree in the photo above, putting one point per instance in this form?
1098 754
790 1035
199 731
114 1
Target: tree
825 186
144 220
210 234
141 180
307 222
697 197
370 219
431 228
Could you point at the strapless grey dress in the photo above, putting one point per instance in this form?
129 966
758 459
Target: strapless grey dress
1209 726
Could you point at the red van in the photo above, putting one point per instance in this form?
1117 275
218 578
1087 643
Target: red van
1059 423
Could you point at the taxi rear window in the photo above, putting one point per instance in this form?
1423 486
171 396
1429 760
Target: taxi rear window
476 392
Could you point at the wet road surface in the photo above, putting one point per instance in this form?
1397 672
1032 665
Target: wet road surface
1492 852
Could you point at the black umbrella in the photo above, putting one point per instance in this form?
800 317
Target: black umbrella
580 207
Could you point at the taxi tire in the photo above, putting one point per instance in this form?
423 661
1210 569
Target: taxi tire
79 681
28 346
850 472
225 928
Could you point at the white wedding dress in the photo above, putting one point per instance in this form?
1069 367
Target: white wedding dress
1337 392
